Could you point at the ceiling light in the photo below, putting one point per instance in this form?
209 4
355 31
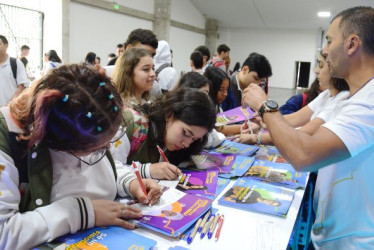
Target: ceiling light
324 14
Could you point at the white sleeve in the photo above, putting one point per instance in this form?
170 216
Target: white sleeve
29 229
21 74
354 125
120 151
315 104
215 138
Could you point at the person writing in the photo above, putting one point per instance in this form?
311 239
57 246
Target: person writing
57 175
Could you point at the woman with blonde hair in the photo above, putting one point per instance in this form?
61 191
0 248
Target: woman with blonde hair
133 76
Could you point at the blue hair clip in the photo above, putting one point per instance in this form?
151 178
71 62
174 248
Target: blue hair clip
110 97
99 128
89 115
65 99
115 108
102 84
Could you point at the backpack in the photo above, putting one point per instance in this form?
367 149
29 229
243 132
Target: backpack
13 65
163 66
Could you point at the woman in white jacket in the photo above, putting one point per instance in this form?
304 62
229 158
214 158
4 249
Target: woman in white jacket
57 176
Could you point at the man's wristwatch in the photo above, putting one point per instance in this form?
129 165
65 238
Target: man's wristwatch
268 106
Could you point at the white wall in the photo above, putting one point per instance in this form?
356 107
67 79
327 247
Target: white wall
183 43
183 11
281 47
143 5
99 31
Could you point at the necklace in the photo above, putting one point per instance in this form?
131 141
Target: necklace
363 85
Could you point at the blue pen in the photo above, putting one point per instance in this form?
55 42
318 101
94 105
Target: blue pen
213 227
194 231
206 227
204 221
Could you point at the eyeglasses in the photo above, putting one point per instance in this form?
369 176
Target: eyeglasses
120 133
99 154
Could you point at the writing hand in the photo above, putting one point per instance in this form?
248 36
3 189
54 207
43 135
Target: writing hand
153 189
164 170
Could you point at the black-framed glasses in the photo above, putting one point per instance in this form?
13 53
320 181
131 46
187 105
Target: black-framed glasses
120 133
94 157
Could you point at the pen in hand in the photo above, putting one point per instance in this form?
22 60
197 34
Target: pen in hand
137 173
162 154
250 126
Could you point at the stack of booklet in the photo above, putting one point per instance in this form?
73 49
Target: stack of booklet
174 213
267 187
113 238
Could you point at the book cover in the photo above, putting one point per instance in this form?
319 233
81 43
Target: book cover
101 238
198 183
221 184
174 213
213 161
251 195
269 153
240 166
282 174
230 147
235 115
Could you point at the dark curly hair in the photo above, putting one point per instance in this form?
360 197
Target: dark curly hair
190 106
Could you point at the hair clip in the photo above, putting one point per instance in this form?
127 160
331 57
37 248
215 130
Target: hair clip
89 115
102 84
65 99
115 108
110 97
99 128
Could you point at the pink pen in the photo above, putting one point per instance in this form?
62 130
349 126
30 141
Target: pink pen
220 223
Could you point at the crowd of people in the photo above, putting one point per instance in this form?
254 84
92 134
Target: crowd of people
68 139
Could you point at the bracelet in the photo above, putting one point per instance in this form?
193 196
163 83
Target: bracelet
259 134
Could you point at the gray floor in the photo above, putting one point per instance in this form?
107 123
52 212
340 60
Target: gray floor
281 95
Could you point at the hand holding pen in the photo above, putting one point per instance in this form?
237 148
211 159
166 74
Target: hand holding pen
162 154
139 189
164 170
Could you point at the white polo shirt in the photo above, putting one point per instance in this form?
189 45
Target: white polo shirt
8 84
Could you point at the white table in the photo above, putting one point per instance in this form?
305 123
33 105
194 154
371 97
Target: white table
240 230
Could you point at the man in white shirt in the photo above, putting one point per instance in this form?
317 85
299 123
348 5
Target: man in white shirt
342 150
13 79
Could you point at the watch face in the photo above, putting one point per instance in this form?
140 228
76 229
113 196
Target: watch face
271 104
